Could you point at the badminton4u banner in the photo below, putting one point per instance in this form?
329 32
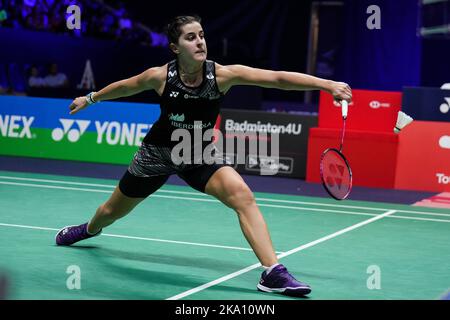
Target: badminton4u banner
107 132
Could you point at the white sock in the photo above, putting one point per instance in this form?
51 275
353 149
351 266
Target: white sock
269 269
88 231
91 234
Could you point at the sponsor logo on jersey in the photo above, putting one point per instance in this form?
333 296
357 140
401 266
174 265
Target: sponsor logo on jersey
176 117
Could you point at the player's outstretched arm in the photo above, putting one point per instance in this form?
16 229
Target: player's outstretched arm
147 80
232 75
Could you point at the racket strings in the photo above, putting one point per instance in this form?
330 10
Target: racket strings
336 174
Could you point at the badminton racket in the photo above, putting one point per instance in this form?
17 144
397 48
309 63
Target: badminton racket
335 170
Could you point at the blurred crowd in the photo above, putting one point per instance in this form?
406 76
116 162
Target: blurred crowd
18 79
53 79
99 19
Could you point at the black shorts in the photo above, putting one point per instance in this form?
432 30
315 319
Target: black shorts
151 167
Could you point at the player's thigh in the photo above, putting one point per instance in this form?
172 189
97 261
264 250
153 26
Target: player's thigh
199 176
229 187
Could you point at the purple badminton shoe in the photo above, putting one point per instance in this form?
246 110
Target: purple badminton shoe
279 280
71 234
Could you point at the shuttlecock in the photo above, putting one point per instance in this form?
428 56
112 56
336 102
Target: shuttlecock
402 121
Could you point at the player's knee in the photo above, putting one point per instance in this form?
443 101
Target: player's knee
240 196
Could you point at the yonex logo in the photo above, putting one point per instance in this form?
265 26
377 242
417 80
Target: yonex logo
13 126
117 133
445 107
210 76
335 178
171 73
174 94
72 134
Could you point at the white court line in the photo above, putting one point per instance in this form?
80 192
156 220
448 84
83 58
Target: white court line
53 187
95 190
285 254
217 201
417 218
59 182
204 195
27 227
355 207
314 209
92 185
138 238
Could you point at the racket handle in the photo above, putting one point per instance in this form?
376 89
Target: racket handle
344 105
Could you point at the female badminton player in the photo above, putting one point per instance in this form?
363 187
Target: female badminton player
190 89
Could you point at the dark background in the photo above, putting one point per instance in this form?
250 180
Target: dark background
260 33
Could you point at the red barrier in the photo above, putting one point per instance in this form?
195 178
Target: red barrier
370 144
424 157
416 159
372 156
369 111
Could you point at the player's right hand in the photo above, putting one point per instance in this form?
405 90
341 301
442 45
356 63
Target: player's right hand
341 91
78 104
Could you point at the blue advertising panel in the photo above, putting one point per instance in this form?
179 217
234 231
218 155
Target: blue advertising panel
107 132
426 104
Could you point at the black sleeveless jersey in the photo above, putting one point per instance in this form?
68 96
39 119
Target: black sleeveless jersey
184 107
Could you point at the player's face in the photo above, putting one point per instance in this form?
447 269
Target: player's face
191 43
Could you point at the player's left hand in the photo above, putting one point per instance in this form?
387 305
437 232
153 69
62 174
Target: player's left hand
78 104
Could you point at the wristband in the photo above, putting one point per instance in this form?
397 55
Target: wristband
90 100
